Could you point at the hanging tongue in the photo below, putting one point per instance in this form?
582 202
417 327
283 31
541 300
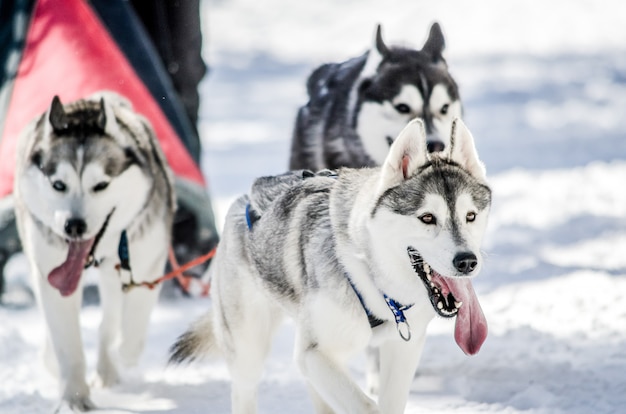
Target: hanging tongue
66 276
471 326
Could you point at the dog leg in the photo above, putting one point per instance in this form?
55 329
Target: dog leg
398 363
330 381
319 405
137 307
111 301
62 319
244 320
248 334
372 370
138 302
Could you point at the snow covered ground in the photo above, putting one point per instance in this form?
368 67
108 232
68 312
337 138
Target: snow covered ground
544 89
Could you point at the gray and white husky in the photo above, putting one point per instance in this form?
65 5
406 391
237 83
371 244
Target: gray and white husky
356 108
93 189
361 257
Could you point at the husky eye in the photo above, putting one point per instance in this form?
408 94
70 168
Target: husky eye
59 186
444 109
471 216
100 186
403 108
428 218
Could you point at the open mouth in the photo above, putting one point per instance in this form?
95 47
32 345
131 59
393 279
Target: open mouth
80 254
470 330
442 299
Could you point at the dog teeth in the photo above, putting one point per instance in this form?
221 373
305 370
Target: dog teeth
426 268
457 304
429 277
439 305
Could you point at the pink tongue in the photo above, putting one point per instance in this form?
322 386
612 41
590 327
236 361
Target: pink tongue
471 326
66 276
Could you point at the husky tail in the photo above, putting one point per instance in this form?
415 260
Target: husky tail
199 341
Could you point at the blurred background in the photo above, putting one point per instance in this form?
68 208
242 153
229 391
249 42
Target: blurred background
544 91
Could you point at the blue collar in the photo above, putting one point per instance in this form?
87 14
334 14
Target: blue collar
404 330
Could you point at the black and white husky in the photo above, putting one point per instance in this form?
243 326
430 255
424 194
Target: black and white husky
93 189
356 108
361 257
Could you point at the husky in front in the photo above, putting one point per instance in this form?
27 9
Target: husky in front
361 257
93 190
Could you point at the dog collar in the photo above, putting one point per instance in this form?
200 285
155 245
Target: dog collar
404 330
91 257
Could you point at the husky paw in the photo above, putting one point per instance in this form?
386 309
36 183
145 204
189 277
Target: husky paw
74 404
372 386
107 376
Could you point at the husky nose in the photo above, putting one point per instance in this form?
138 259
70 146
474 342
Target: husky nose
75 227
435 146
465 262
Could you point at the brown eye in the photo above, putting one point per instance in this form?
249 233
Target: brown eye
471 216
428 218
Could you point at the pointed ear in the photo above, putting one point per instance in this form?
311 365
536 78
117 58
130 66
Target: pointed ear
463 151
101 121
406 155
435 43
56 115
106 117
377 53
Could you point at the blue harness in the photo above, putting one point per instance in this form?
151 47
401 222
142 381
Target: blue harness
404 330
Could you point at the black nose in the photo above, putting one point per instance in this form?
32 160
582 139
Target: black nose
75 227
434 146
465 262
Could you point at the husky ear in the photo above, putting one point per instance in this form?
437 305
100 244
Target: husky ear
56 115
463 151
407 153
106 117
435 43
101 121
377 54
380 43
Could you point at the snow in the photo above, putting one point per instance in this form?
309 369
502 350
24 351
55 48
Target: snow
544 91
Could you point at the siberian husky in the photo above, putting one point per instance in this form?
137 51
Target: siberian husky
356 108
361 257
93 189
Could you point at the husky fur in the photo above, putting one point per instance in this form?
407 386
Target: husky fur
87 172
330 250
356 108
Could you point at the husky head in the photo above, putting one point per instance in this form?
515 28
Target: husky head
399 85
84 172
429 218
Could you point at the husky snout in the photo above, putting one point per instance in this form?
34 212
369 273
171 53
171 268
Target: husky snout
465 262
75 227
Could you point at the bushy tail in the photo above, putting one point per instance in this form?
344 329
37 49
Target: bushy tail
199 341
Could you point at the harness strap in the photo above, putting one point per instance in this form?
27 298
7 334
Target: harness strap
91 257
177 272
404 330
251 216
373 320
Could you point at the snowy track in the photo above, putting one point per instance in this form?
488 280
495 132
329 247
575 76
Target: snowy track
545 97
